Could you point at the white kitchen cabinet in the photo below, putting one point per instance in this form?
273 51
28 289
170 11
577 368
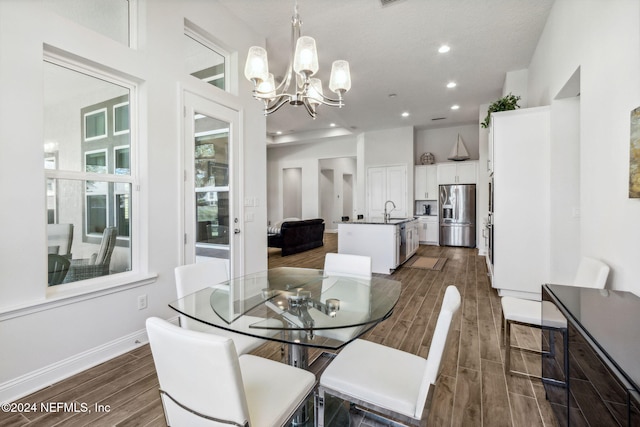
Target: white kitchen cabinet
387 183
420 183
490 149
426 182
413 238
521 174
380 242
458 173
428 230
422 230
432 182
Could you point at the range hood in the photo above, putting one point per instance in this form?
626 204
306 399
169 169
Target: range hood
459 151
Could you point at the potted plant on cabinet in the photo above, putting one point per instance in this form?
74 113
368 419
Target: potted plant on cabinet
506 103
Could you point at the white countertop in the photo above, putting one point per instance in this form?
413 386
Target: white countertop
392 221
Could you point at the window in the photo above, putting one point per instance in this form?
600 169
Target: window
121 156
95 161
111 18
205 60
211 165
121 118
95 125
88 167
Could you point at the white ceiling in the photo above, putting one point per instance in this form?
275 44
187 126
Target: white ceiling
393 49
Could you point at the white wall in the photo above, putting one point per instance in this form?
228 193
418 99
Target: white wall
440 142
304 156
292 192
515 82
44 342
603 39
564 217
334 193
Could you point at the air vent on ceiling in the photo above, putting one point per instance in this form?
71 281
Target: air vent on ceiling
388 2
438 118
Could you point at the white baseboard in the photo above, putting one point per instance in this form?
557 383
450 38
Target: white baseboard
40 378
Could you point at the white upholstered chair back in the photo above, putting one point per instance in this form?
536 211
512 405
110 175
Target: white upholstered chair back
450 305
191 278
347 265
199 371
591 273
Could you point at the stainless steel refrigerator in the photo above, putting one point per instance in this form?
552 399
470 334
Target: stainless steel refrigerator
458 215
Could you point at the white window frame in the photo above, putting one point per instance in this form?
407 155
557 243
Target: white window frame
106 159
102 111
115 107
192 31
115 157
138 273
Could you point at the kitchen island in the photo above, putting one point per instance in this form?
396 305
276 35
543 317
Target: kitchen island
388 243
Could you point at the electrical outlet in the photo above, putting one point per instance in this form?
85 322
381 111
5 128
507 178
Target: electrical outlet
142 302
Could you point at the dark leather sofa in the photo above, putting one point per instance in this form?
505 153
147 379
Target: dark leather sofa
298 236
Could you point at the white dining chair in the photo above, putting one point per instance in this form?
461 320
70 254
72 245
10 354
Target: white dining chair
203 381
347 265
357 267
591 273
191 278
390 382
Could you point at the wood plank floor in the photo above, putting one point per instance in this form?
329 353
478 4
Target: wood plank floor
473 390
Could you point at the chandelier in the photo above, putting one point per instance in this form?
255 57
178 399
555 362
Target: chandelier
305 90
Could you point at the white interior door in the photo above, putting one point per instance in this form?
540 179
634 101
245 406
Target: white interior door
211 183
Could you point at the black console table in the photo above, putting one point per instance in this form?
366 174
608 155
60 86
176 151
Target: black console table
591 368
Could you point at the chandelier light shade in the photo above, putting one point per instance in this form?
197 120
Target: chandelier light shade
340 81
267 88
257 67
297 87
315 91
305 59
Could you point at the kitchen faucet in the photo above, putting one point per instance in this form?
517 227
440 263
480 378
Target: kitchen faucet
387 214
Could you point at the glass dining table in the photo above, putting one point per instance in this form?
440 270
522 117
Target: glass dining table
302 308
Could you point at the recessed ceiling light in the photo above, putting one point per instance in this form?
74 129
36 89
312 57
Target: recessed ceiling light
451 85
279 132
405 114
455 107
444 49
332 125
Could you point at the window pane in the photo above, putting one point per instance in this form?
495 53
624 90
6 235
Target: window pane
96 213
77 111
122 161
107 17
212 213
121 119
95 125
122 214
82 218
211 152
203 62
96 161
